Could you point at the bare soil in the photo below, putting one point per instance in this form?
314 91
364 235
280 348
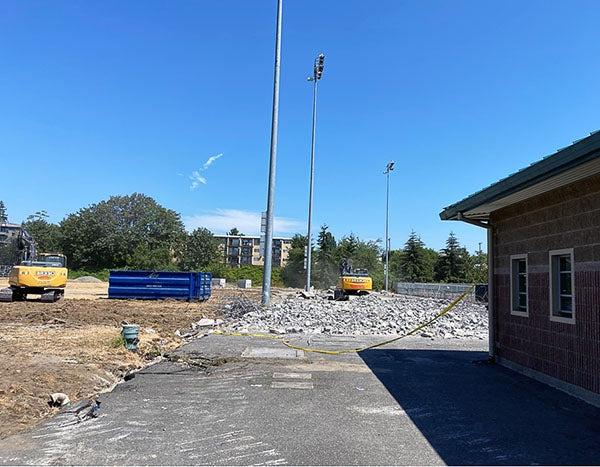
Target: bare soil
72 346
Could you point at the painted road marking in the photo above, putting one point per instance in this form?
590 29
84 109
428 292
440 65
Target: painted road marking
291 385
292 376
270 352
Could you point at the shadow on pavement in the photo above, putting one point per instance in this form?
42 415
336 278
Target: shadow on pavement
477 413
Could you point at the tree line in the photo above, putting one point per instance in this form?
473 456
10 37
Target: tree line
135 232
413 263
132 231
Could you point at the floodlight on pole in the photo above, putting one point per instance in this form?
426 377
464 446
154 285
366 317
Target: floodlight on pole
318 68
266 284
388 169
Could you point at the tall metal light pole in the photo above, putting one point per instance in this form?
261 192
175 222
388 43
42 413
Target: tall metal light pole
388 169
266 285
315 78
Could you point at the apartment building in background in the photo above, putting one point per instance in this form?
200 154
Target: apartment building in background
242 250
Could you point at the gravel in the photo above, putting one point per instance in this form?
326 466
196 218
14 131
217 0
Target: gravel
374 314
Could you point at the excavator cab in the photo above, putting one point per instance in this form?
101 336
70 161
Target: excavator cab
51 260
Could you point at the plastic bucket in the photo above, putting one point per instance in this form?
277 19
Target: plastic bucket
131 335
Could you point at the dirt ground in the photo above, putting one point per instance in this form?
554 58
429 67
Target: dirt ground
73 345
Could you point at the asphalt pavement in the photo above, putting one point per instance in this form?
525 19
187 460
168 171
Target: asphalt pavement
223 400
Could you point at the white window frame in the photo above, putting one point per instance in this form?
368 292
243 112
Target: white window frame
553 317
512 287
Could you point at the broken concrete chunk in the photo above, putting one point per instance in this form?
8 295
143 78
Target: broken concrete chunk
309 294
58 399
207 322
373 314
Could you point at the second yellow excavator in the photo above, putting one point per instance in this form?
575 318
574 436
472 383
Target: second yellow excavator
352 281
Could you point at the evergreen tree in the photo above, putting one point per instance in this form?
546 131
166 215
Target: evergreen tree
325 270
431 258
3 215
347 247
326 242
452 264
395 265
478 269
294 274
414 262
235 232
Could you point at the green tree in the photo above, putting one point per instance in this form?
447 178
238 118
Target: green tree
431 258
294 274
452 264
325 269
201 249
347 247
478 268
151 257
123 231
3 214
396 266
362 255
414 262
47 236
235 232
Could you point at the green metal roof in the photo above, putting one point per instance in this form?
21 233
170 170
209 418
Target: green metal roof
563 161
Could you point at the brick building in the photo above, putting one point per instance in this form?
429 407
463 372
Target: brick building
242 250
543 226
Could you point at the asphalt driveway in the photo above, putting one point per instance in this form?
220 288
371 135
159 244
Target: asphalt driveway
256 402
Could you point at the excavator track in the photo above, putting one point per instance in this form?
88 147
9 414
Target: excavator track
6 294
51 296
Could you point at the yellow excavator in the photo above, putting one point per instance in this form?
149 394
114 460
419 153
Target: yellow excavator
352 282
43 274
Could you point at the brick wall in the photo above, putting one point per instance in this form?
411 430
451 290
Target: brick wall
568 217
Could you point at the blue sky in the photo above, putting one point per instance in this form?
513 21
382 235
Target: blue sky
113 97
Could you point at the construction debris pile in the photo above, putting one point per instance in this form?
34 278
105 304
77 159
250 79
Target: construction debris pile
374 314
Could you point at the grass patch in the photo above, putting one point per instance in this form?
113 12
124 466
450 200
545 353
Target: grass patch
117 342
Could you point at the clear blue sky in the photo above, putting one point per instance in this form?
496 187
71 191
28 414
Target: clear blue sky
112 97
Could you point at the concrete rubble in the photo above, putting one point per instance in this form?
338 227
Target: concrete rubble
374 314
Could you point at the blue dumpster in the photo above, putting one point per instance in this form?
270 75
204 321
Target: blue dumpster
156 285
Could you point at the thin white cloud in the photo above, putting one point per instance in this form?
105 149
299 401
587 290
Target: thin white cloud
210 160
197 178
221 221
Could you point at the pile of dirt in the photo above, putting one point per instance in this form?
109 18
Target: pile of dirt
87 279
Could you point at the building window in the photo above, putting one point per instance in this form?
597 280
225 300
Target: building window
246 260
562 285
518 285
